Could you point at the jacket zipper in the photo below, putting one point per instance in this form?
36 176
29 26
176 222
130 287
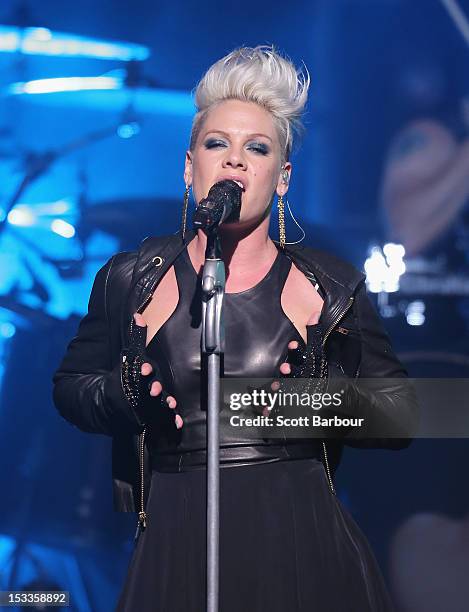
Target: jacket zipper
323 374
142 515
326 335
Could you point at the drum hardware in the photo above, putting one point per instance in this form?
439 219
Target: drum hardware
112 91
22 35
37 164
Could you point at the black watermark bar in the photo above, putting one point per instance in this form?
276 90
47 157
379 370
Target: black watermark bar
346 408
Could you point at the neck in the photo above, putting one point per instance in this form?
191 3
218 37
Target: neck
240 251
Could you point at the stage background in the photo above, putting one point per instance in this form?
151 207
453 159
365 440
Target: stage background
101 170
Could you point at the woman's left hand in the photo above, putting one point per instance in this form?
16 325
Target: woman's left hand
305 362
285 367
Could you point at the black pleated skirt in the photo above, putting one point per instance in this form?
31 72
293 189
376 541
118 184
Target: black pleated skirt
286 544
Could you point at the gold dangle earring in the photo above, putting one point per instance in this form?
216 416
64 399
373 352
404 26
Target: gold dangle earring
281 210
184 211
281 215
281 221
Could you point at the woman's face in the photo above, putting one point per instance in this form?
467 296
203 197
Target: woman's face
238 140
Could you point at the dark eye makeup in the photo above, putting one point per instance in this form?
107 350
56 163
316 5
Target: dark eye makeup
257 147
212 143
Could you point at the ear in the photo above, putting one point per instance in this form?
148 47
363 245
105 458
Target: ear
188 169
283 182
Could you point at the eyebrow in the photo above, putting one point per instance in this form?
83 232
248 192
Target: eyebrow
247 136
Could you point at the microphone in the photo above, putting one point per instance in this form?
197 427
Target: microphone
222 205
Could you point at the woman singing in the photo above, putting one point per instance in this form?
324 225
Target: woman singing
135 372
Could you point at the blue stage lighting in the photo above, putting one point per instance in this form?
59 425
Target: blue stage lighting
62 228
7 329
42 41
415 313
22 216
127 130
43 86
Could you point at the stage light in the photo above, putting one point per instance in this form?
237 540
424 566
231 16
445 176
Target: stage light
127 130
7 329
22 216
393 251
42 41
43 86
62 228
375 267
415 313
384 267
9 41
39 34
59 207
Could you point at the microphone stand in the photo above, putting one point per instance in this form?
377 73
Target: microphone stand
213 344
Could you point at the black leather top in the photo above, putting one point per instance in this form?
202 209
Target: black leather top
257 333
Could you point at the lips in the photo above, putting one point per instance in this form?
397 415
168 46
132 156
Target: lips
240 181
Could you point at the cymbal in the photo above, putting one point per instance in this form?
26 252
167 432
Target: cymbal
42 41
106 92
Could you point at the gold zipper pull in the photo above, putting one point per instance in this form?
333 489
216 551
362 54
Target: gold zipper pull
342 330
326 335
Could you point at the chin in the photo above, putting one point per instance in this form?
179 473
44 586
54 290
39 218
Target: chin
241 227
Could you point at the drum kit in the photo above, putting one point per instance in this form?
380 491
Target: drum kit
57 227
48 243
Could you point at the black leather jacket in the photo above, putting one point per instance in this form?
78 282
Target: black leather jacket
88 389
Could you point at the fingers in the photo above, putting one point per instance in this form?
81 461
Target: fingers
293 358
139 320
285 368
155 388
171 401
146 368
294 353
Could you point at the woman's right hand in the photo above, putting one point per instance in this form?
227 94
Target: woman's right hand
152 385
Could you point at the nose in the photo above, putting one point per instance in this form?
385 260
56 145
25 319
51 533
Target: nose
234 159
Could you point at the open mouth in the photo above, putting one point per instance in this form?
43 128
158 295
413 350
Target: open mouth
239 182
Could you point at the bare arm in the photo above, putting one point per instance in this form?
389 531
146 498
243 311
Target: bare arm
426 184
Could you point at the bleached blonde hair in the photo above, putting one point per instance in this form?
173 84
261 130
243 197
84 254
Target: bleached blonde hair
260 75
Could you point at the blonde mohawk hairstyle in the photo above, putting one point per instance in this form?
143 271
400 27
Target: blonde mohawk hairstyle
260 75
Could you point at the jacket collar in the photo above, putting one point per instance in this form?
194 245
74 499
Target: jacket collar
337 279
330 270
